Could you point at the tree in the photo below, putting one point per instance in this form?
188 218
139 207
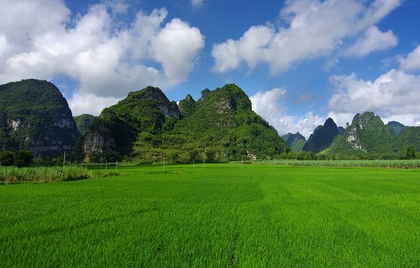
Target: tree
4 130
411 152
7 158
24 158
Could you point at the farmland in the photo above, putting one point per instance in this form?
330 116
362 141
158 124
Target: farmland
221 215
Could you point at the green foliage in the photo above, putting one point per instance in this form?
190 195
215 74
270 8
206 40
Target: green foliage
216 216
7 158
294 141
187 106
83 122
411 152
24 158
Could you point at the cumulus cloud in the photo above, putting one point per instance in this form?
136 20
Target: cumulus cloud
175 43
315 29
411 63
271 106
105 55
372 40
393 95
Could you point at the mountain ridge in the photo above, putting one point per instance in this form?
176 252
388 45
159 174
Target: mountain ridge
219 126
147 126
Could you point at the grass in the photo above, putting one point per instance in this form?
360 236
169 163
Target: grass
410 163
221 215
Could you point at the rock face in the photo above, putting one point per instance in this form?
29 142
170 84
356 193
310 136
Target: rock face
34 115
322 137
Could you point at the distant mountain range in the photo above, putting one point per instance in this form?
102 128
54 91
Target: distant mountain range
146 126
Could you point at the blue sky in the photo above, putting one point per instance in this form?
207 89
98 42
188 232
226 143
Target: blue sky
300 61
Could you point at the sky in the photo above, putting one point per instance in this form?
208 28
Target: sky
299 61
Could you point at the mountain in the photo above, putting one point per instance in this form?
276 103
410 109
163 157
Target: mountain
187 106
146 111
34 115
219 126
322 137
83 122
294 141
368 135
395 127
224 124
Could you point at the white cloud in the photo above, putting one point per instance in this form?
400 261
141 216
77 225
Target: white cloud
372 40
394 94
197 3
87 103
316 28
175 46
271 106
412 62
106 56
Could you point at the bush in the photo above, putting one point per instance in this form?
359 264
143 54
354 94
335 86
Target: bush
7 158
24 158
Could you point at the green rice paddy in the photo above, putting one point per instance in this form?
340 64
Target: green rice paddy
221 215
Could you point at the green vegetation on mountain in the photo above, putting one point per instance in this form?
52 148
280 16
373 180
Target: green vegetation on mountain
83 122
219 126
294 141
35 116
116 129
369 137
395 127
322 137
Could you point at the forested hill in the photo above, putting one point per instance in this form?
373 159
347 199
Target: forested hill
220 126
34 115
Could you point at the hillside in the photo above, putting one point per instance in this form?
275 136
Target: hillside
34 115
395 127
322 137
368 136
83 122
114 132
294 141
219 126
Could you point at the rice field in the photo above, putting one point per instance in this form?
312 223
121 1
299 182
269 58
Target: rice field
220 215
